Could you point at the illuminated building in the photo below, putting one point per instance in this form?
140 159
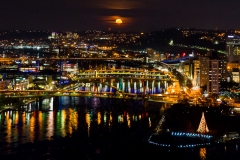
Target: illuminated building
211 71
231 65
106 48
68 67
214 78
4 84
150 52
21 84
235 75
54 35
196 76
233 47
203 72
28 69
233 68
186 69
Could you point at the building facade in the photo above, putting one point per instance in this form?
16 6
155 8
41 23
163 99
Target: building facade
196 73
214 76
208 73
204 73
4 84
233 47
235 75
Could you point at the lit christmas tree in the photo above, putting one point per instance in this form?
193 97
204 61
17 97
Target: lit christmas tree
202 128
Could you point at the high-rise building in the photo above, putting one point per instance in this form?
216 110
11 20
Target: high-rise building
235 75
204 73
234 68
196 73
214 76
211 70
223 67
233 47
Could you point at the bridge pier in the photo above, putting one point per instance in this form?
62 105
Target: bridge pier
55 103
95 74
71 99
120 84
159 86
39 103
153 87
165 85
135 87
28 106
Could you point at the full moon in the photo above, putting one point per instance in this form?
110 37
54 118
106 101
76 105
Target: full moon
118 21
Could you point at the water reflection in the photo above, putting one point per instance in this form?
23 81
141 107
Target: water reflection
203 153
103 122
99 118
50 125
88 120
37 123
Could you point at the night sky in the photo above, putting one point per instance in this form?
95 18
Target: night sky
137 15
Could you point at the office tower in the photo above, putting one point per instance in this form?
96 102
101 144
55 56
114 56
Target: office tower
204 73
235 75
233 47
211 69
214 75
196 73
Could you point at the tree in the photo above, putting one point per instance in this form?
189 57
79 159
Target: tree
202 128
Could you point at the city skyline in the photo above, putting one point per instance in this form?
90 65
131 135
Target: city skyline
136 15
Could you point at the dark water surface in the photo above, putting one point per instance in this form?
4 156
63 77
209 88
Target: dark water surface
91 128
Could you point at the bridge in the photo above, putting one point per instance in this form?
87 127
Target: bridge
145 78
131 81
126 73
59 93
39 94
71 93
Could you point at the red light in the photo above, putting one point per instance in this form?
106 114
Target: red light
183 54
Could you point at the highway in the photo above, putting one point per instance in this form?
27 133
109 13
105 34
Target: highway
105 59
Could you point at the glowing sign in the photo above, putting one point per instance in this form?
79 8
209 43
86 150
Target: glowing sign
64 82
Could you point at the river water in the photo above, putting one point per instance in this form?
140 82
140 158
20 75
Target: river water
90 128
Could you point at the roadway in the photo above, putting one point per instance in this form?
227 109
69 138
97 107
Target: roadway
71 93
125 73
135 78
106 59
